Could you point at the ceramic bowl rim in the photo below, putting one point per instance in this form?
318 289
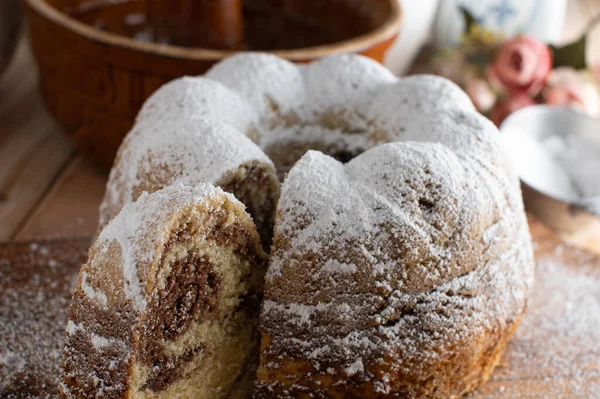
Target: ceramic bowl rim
509 121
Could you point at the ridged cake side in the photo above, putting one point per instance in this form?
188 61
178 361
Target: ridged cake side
403 272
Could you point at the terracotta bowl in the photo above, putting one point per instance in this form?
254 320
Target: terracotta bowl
94 82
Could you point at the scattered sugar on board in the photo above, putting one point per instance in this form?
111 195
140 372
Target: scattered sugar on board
559 337
38 281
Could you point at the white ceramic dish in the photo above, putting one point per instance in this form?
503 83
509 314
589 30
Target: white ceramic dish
542 141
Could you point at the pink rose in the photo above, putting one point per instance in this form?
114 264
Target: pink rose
575 89
481 94
508 105
522 65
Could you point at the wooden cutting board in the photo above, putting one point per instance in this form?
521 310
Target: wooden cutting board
554 354
36 282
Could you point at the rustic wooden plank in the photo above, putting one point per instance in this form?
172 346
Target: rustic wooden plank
70 209
32 178
17 85
36 284
555 353
587 237
32 148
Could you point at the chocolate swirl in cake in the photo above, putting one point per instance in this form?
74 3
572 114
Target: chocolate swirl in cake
165 306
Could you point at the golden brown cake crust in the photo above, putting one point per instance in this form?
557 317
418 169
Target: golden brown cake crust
392 285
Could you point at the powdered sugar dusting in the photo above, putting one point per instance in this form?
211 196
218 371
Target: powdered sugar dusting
37 282
194 98
343 104
343 82
354 368
301 314
100 343
440 251
187 153
433 109
91 292
150 214
267 82
556 347
73 328
333 266
317 105
350 104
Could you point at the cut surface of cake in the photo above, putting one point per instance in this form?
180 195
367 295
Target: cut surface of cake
167 305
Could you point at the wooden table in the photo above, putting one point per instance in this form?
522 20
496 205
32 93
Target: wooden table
46 189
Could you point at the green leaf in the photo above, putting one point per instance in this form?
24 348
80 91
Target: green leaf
572 55
470 20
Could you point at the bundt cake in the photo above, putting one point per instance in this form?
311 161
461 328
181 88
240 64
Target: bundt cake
401 260
167 305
